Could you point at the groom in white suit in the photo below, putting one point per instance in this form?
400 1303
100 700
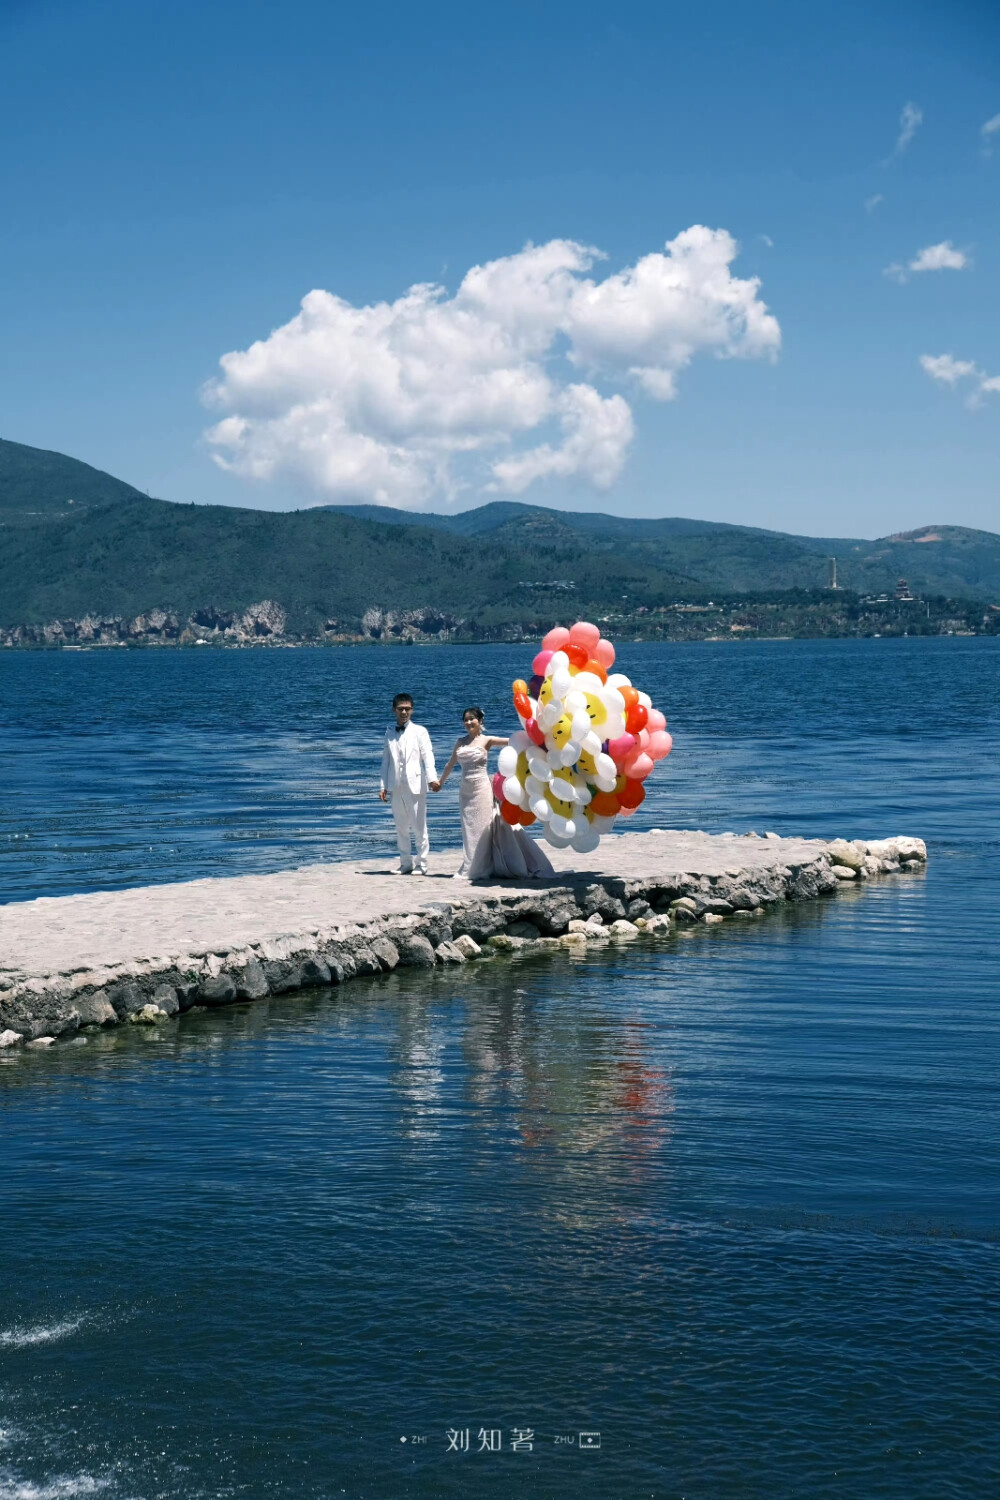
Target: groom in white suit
407 771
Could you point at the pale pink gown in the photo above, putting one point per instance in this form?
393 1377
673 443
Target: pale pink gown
491 848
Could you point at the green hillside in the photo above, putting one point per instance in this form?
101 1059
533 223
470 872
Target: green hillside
74 541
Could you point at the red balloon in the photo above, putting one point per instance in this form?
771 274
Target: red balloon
510 813
522 704
630 695
577 655
526 817
533 732
633 794
635 718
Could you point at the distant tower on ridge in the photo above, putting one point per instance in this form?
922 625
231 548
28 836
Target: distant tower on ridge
833 573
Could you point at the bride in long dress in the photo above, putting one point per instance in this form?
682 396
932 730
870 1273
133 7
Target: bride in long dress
490 847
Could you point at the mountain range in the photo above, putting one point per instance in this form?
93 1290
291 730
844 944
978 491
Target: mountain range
75 541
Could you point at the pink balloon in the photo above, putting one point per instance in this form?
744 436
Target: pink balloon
582 634
540 662
621 747
557 638
643 739
625 812
655 720
638 766
498 786
660 744
604 653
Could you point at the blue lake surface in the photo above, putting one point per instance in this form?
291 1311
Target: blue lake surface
729 1199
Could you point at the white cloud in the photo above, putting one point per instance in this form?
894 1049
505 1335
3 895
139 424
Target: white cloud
872 203
946 368
988 131
942 257
396 402
950 371
910 119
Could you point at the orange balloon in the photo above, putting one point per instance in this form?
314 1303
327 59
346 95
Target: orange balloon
631 697
526 817
519 685
522 704
597 669
510 813
633 794
606 804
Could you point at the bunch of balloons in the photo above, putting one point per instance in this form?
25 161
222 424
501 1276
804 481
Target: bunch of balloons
587 742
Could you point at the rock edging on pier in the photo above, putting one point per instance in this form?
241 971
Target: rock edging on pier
576 912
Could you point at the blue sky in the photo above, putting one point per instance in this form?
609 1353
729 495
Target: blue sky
177 177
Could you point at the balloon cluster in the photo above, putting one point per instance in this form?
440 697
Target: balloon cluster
586 744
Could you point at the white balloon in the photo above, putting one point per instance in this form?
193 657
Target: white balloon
581 725
591 743
574 700
613 701
533 787
614 727
583 794
514 792
619 680
554 840
507 761
569 754
645 700
561 683
538 767
605 767
602 824
542 809
586 682
563 828
586 840
557 659
519 741
607 783
548 716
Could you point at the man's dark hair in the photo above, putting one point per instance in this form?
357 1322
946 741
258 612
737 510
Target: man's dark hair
402 698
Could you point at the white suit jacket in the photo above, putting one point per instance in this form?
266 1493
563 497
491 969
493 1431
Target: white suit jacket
407 759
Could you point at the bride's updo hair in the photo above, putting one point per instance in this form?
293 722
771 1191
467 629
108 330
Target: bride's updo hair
472 709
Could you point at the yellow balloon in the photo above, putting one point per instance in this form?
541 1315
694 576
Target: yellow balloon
522 768
564 809
596 708
562 730
545 691
586 763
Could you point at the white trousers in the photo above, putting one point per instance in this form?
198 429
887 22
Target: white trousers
409 811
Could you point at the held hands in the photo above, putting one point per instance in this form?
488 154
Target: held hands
435 786
383 795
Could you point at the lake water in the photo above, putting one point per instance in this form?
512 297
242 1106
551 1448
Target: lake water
729 1200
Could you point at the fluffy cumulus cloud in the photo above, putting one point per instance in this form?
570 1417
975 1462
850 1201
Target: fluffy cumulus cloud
942 257
948 370
910 120
523 374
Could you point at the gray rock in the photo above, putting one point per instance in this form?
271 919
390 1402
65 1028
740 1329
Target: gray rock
126 996
638 908
148 1015
251 981
415 951
467 945
504 943
623 930
315 972
843 853
10 1039
526 930
716 908
684 909
596 898
478 921
712 917
386 952
217 989
844 872
579 926
595 920
449 953
165 997
95 1009
366 962
436 926
41 1041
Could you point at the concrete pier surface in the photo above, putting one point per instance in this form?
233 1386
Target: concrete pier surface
145 954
